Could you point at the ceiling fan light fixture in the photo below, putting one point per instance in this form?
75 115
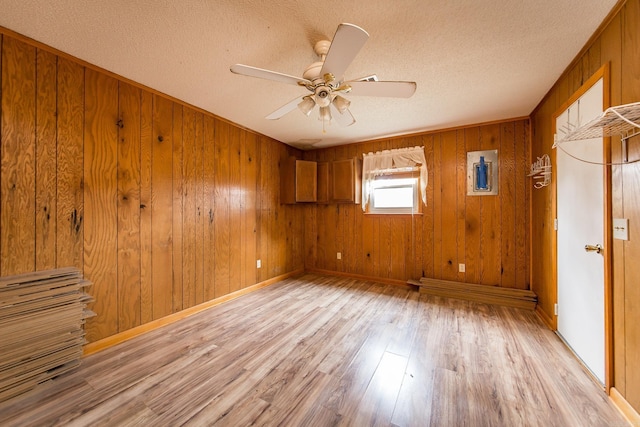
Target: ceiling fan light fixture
325 114
342 104
306 105
324 79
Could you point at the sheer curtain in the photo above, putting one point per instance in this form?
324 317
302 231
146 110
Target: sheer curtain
391 161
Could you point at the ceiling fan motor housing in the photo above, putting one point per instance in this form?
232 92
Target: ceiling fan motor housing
312 72
322 96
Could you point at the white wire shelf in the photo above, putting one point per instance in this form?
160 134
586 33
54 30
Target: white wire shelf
619 120
623 120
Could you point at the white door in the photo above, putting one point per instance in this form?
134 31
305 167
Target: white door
580 212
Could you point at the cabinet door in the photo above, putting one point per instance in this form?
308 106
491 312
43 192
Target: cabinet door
306 181
346 180
298 181
288 181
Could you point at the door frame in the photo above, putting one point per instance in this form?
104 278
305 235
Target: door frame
604 74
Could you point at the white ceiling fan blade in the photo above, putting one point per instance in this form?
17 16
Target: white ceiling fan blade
390 89
247 70
346 44
344 119
286 108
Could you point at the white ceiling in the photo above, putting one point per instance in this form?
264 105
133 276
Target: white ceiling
473 60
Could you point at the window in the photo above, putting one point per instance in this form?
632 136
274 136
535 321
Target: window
394 181
394 194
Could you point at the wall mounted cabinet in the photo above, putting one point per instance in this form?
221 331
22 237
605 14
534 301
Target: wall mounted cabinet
346 180
304 181
298 182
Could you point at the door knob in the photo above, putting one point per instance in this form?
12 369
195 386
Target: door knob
590 248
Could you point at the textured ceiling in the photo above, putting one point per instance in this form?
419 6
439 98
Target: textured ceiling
473 60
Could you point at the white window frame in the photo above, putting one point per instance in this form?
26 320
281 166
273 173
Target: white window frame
390 181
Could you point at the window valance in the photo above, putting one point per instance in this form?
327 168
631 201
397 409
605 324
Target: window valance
392 161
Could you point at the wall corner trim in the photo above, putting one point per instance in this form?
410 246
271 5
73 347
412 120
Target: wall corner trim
544 317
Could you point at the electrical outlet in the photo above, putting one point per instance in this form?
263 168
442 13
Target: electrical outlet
461 268
258 264
339 255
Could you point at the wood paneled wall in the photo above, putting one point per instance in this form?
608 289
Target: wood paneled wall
489 234
160 205
619 45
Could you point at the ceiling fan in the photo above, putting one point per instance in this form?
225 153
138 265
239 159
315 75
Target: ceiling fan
325 79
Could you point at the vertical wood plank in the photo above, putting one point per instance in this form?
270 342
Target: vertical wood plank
70 169
350 247
461 200
291 240
146 144
507 195
632 270
18 147
161 207
437 207
279 219
209 206
46 139
129 310
321 236
428 210
100 201
278 224
235 209
397 241
221 209
199 177
543 245
449 206
177 208
575 77
472 218
367 238
265 212
249 177
522 191
490 234
339 240
368 251
591 60
412 255
271 167
310 228
259 193
331 245
356 217
243 230
189 206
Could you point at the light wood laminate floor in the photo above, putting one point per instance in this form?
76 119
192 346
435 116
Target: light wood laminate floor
326 351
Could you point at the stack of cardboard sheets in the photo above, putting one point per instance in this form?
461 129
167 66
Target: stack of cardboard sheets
41 327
